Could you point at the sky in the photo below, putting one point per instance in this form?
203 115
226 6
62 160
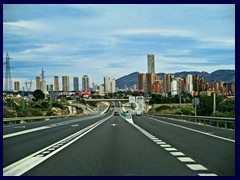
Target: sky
107 40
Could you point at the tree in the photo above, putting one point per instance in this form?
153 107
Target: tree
38 94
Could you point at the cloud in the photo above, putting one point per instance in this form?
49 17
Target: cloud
117 65
159 32
114 40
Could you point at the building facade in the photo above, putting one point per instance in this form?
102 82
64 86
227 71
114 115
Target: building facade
17 86
75 84
56 83
65 83
151 63
189 83
38 83
85 83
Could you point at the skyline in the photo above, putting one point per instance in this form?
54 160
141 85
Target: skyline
114 40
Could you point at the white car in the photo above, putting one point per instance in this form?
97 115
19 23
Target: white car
138 113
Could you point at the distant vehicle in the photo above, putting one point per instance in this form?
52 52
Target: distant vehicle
116 113
139 113
126 114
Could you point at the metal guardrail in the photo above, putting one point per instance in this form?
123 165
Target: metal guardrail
36 118
212 121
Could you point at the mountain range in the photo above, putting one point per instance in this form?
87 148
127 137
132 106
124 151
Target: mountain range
228 76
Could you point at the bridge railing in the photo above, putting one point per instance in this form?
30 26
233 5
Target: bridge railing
211 121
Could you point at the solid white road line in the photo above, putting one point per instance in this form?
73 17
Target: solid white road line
20 167
25 131
47 126
194 130
207 174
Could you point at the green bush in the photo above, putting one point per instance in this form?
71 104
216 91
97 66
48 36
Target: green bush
188 111
7 113
49 113
163 107
45 105
57 105
29 112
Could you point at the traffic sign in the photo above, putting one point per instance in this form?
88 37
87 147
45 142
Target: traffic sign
195 101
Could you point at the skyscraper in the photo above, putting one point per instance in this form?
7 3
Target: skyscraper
142 82
17 86
65 83
107 84
151 63
85 83
50 87
38 83
75 84
151 78
174 87
167 79
156 87
189 83
56 83
113 85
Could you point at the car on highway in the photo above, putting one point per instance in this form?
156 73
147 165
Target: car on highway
116 113
139 113
126 114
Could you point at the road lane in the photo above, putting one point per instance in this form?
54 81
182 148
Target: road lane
216 154
114 148
18 147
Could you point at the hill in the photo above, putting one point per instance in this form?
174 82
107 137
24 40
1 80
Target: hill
220 75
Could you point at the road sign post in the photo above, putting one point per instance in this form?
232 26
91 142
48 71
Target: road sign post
195 102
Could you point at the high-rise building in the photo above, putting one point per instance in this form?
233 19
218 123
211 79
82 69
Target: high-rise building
56 83
180 85
142 82
201 84
113 85
75 84
165 84
151 78
174 87
107 84
65 83
151 63
167 79
38 83
189 83
101 89
85 83
156 87
17 86
196 84
50 87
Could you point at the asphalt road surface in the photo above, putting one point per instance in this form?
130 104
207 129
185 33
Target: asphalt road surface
110 145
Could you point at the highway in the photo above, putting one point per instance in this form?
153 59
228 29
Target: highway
111 145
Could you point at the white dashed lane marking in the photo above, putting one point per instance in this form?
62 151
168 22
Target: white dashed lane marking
186 159
179 155
196 167
170 149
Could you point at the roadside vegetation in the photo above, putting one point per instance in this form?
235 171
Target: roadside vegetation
170 105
